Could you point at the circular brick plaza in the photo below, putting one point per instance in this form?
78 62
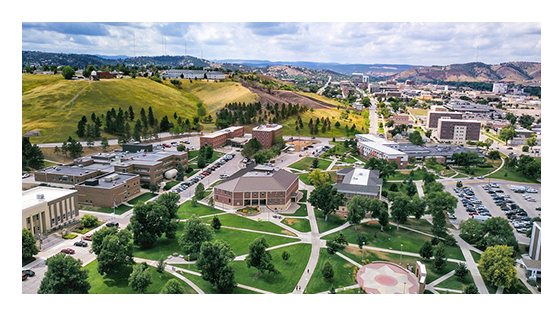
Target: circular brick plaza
386 278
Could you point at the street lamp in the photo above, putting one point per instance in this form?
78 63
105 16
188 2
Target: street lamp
400 263
363 244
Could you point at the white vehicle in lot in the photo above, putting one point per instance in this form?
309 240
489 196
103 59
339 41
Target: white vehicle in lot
532 190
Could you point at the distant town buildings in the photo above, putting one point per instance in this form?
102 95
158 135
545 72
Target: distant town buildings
194 74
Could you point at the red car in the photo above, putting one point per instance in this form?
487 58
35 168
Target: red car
473 213
67 251
167 145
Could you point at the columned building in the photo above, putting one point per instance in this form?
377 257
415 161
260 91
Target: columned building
45 209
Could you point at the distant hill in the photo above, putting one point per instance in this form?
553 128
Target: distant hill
81 61
525 73
375 70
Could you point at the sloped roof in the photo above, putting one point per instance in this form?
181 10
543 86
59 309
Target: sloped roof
259 179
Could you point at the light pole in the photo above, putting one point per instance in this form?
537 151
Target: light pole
400 262
363 244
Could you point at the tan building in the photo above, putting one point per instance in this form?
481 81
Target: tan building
258 186
109 190
266 134
219 138
45 209
151 166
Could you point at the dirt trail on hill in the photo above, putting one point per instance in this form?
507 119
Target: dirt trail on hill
278 96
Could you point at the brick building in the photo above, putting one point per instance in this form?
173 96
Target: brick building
266 134
220 137
258 186
108 190
458 130
435 116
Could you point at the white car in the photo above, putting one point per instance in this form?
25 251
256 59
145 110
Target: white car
25 175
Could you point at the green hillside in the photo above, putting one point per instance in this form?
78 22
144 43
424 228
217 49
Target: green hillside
54 106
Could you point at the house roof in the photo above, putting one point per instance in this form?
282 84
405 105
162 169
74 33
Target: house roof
359 181
259 178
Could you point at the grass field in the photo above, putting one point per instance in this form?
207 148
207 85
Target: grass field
118 283
342 273
237 221
54 105
305 163
290 270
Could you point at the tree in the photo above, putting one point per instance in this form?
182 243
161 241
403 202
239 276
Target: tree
28 245
511 118
318 177
64 276
195 234
149 222
507 133
172 286
140 278
338 243
216 224
253 146
416 138
327 199
68 72
385 167
98 237
285 256
327 271
400 210
199 191
427 250
472 231
439 257
526 121
89 220
169 200
383 219
259 258
31 155
461 271
357 207
497 265
494 155
213 265
471 289
116 251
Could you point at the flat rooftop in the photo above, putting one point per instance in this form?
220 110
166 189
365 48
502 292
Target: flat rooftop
271 127
29 197
119 179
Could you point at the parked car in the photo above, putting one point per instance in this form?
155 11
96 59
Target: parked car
87 237
28 272
24 175
112 224
67 250
23 276
81 244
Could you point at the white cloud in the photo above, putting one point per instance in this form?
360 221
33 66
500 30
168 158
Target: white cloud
412 43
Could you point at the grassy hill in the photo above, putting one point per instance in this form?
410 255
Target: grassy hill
54 105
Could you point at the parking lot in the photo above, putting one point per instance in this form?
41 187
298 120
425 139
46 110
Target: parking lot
482 203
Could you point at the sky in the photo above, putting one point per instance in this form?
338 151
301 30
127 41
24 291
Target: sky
414 43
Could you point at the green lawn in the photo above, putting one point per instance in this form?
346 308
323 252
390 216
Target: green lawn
301 225
392 239
237 221
343 273
186 210
239 240
118 283
305 163
142 198
300 212
290 271
304 196
334 220
118 210
511 175
208 288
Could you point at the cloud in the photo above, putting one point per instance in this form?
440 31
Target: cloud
356 42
